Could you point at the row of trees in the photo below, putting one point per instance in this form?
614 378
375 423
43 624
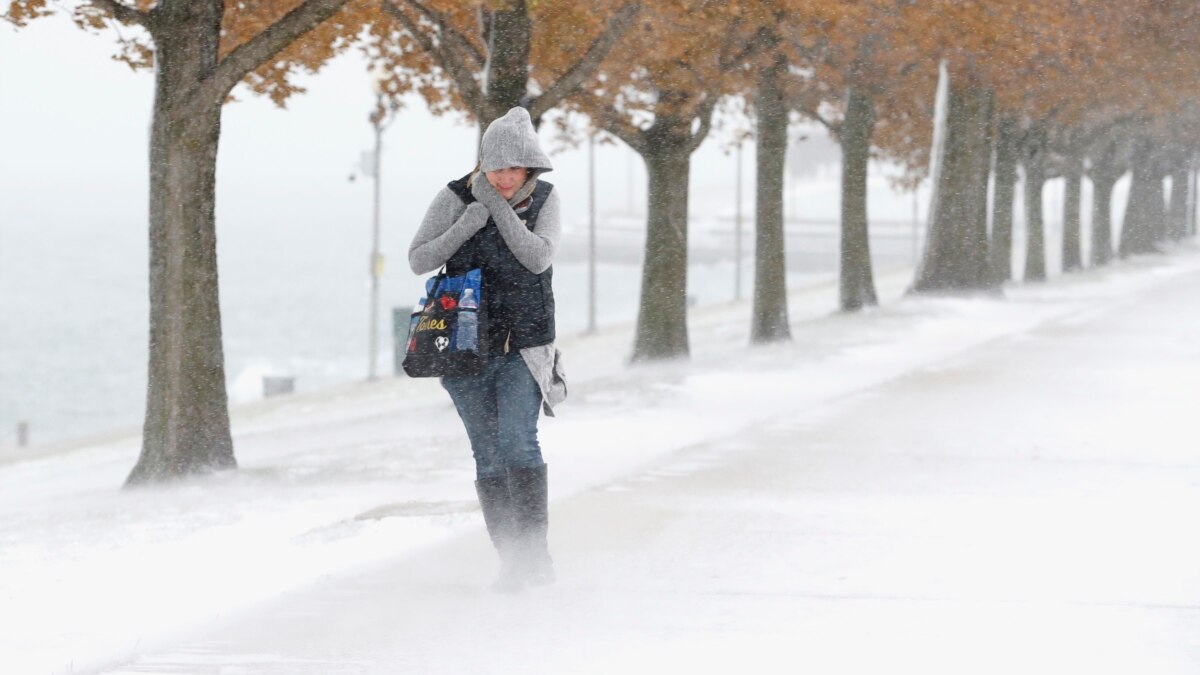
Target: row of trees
1094 88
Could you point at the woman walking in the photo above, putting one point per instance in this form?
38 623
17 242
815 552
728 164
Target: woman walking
505 221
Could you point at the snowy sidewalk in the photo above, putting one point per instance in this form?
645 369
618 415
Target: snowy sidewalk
1018 498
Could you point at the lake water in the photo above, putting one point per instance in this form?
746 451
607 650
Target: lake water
294 302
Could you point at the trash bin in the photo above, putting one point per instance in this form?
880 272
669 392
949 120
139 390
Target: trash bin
275 385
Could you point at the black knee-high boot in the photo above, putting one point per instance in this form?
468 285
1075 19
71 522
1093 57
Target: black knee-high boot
530 506
495 500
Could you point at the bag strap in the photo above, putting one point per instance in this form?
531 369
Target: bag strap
437 282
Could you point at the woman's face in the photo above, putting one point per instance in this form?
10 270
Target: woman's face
508 181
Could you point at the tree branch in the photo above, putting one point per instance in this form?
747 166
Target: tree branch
762 41
617 125
1089 138
727 44
449 34
123 13
578 73
706 113
462 77
813 114
262 47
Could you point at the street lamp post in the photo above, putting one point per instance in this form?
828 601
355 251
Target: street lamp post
591 233
737 228
379 120
916 225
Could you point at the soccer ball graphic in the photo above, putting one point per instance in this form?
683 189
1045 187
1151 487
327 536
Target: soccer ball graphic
441 343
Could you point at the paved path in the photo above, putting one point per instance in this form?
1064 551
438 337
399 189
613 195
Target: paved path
1026 507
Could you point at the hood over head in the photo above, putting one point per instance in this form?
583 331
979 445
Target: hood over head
512 141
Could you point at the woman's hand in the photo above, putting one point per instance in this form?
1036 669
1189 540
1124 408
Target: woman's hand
487 194
475 217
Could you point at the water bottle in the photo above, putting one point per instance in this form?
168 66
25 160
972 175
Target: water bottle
467 338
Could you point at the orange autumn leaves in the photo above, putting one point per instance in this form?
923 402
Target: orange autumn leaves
1075 60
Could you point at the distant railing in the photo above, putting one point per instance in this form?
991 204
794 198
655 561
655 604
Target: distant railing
621 223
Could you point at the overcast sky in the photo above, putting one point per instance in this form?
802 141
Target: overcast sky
76 123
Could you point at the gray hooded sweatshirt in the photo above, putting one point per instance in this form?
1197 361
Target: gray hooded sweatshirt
508 141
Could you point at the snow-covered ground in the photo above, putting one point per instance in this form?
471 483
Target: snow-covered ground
938 485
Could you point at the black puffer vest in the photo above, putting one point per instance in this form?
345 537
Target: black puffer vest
520 304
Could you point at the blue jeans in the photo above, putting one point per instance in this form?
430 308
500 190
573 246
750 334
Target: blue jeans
499 408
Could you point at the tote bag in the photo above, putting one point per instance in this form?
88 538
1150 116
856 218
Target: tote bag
447 332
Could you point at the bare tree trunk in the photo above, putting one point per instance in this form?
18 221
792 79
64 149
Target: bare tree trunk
1156 213
1138 228
1191 226
1104 174
666 147
506 29
186 427
769 316
1072 254
956 247
1035 232
1102 242
508 33
1007 155
857 287
662 313
1181 172
985 130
